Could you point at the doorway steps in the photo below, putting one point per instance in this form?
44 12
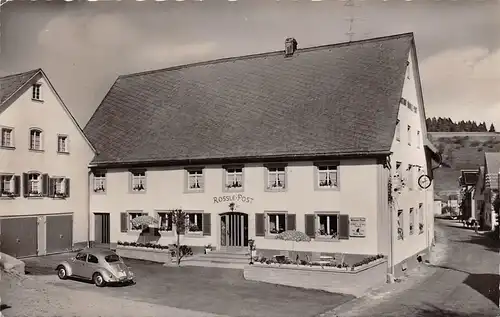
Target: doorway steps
222 259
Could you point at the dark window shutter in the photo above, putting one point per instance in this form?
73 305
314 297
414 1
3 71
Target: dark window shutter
45 184
260 230
25 185
1 184
52 187
290 222
17 185
207 224
309 223
123 222
66 181
343 226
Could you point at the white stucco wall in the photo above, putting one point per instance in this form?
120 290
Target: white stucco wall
165 191
51 118
411 153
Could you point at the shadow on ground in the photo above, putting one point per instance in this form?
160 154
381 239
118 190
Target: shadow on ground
485 284
4 306
429 310
486 240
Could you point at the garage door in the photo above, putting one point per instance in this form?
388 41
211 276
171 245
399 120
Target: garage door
18 236
59 233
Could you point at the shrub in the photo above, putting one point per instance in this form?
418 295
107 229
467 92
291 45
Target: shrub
474 143
368 260
144 245
184 250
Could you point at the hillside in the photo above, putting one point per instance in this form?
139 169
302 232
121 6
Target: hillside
461 150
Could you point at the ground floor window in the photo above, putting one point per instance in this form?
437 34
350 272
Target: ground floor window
133 215
276 222
400 225
412 220
195 222
327 225
165 221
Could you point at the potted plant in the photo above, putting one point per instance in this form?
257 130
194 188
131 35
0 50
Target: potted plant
99 189
208 248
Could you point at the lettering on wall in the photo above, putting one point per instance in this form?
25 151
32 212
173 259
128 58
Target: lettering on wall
357 227
230 198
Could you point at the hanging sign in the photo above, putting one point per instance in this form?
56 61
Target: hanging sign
357 227
232 198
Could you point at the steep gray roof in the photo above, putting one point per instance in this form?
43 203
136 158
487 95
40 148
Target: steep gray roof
10 84
329 100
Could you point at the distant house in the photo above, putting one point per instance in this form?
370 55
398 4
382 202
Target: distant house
487 188
467 182
328 140
44 158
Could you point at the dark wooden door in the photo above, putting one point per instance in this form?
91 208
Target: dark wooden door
102 228
19 236
59 233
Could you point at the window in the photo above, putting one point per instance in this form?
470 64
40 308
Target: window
411 177
62 144
165 221
234 178
138 181
195 222
131 216
195 179
59 187
400 225
327 226
420 172
276 177
8 185
112 258
420 218
398 130
418 139
276 222
327 176
34 184
37 89
398 175
35 139
81 257
92 259
409 135
99 182
412 220
7 137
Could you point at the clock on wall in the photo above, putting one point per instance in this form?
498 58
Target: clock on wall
424 181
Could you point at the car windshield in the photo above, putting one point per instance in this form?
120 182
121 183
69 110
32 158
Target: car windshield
112 258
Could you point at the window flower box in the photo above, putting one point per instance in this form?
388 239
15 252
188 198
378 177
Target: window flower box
8 194
99 189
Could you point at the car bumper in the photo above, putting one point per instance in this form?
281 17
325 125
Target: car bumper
123 279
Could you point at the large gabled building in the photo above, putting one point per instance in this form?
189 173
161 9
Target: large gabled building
308 140
44 158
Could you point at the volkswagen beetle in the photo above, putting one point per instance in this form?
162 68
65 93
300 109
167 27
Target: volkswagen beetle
101 266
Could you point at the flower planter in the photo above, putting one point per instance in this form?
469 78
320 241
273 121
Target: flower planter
331 279
143 253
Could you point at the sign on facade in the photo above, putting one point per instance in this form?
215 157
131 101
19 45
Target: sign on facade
358 227
233 198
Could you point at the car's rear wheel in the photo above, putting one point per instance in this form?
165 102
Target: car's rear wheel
61 272
98 280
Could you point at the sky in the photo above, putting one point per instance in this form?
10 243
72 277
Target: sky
84 46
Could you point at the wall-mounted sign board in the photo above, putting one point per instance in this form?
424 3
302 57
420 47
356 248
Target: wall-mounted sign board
357 227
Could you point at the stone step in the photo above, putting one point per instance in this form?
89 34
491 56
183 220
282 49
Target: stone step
218 259
220 255
227 265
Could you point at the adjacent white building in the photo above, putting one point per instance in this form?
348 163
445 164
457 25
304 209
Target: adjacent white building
330 141
44 158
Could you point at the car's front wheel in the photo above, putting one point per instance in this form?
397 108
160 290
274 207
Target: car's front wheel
98 280
61 272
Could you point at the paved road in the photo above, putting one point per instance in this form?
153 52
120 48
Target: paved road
464 284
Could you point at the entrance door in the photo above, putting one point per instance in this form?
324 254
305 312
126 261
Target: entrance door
102 228
234 230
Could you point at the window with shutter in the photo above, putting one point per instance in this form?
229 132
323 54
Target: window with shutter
195 222
276 222
7 185
260 225
195 181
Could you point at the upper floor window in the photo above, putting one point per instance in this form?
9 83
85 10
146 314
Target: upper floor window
398 130
138 180
327 176
412 220
195 179
36 139
276 177
7 139
35 184
411 176
418 139
37 92
99 182
409 135
400 219
62 144
420 218
9 185
234 178
59 187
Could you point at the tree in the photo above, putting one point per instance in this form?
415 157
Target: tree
492 128
179 220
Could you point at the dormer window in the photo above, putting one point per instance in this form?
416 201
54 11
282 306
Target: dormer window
37 89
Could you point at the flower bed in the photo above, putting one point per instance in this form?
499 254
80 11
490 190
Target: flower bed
144 251
329 265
